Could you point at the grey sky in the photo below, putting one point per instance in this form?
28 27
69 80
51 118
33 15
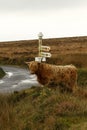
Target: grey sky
33 5
24 19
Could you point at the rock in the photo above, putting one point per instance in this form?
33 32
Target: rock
2 73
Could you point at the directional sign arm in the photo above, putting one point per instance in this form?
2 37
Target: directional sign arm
44 54
45 48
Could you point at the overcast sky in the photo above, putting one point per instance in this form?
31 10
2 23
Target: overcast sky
24 19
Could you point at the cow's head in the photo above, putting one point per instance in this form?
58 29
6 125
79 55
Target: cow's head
33 66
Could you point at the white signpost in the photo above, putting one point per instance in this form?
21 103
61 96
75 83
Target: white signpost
42 55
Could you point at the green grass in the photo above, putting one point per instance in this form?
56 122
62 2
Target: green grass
82 77
2 73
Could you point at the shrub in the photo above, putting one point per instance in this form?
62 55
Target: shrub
82 77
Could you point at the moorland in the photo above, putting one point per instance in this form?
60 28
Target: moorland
64 51
45 108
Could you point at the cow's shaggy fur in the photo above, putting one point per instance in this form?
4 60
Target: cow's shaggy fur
64 76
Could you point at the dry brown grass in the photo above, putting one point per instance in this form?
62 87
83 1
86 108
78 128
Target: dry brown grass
43 109
64 51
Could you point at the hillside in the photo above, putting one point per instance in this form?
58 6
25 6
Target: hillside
44 108
71 50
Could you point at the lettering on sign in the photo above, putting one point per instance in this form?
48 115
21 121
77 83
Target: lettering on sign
45 48
44 54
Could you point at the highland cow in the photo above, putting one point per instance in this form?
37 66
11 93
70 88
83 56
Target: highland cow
47 74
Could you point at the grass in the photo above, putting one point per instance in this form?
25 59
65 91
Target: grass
43 109
64 51
82 77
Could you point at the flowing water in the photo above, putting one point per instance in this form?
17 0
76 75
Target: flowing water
16 79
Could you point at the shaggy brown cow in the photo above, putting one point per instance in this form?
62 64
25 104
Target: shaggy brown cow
65 76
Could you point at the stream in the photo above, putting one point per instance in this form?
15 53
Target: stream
16 79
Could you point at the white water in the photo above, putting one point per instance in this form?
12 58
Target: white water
28 81
1 81
16 79
9 74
